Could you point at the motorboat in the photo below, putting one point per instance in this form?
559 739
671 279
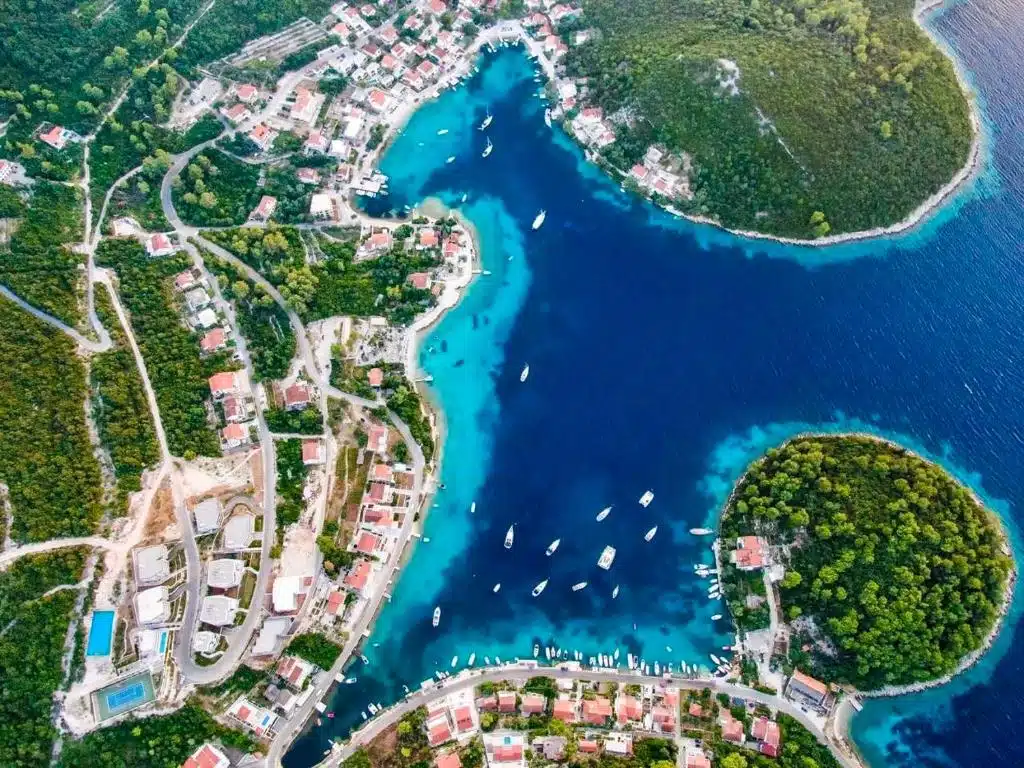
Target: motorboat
717 661
525 372
488 149
616 654
577 587
717 617
657 668
455 660
607 558
536 650
349 680
465 196
451 159
668 648
647 498
437 616
363 659
487 660
442 132
487 122
603 514
701 531
539 220
363 715
509 536
497 588
472 659
552 547
615 592
472 508
547 117
539 588
650 534
547 652
372 709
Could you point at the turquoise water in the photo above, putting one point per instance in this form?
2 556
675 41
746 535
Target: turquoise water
101 634
666 355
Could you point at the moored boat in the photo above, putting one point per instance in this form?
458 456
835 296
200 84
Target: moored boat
650 534
716 617
437 616
487 122
488 149
615 592
539 220
509 537
607 558
552 547
525 372
455 660
701 531
577 587
497 587
647 498
603 514
539 588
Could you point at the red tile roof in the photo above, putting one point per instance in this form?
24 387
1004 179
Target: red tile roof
506 701
463 718
420 280
358 576
732 730
628 708
334 602
533 703
587 745
696 710
222 382
596 711
367 543
565 710
206 757
213 340
697 760
448 760
310 450
508 753
375 377
296 394
439 734
376 492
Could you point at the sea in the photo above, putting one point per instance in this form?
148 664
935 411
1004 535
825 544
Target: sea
665 356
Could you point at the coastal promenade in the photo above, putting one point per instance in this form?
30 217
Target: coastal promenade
522 672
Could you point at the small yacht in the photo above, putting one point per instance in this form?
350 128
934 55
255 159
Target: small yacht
349 680
615 592
701 531
465 196
363 714
488 149
603 514
455 660
616 654
547 653
607 558
539 220
552 547
497 588
437 616
717 617
472 659
525 372
487 660
487 122
536 650
650 534
426 539
451 159
657 668
547 117
363 659
442 132
718 662
372 708
539 588
472 508
647 498
579 586
509 536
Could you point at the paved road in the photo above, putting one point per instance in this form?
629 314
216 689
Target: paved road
494 674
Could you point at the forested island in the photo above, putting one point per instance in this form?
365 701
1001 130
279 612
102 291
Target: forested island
802 118
893 571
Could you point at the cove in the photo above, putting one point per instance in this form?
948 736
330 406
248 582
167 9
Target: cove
666 355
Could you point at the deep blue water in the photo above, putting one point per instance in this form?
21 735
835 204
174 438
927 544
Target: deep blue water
665 355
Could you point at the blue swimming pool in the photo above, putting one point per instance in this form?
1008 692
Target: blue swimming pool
101 634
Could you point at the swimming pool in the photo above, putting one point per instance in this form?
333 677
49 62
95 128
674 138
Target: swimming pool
101 634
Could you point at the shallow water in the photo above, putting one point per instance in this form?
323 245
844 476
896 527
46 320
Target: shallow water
665 355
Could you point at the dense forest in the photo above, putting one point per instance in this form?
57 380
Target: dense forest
164 741
31 649
336 284
406 403
268 334
120 409
38 263
178 374
46 459
847 116
889 557
216 190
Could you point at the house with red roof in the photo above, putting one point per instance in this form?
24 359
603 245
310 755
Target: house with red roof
358 575
317 142
262 136
463 719
341 30
234 436
239 113
312 452
768 736
375 377
695 759
695 710
439 730
628 708
378 100
437 7
378 242
732 729
368 543
565 710
246 93
447 760
159 244
335 602
749 554
596 711
296 397
805 688
57 137
505 748
428 239
381 473
294 671
223 384
388 35
506 701
265 209
533 704
207 756
255 718
664 719
487 703
377 493
185 280
213 341
378 439
235 409
420 280
588 746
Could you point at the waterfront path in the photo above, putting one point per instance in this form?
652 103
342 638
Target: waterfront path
521 673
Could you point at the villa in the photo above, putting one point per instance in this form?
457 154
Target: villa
749 554
207 756
159 245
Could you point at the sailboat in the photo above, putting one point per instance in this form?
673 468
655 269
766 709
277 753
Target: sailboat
603 514
497 587
552 547
539 219
487 122
539 588
488 149
509 537
579 586
650 534
647 498
615 592
525 372
437 616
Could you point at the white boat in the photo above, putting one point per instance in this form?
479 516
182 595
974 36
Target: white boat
442 132
465 196
717 661
539 219
372 708
668 648
472 508
577 587
701 531
615 592
547 652
509 536
497 659
657 668
616 654
487 660
647 498
455 660
426 539
607 558
488 149
487 122
363 714
547 117
717 617
650 534
363 659
437 616
539 588
552 547
603 514
451 159
349 680
536 650
472 659
525 372
497 587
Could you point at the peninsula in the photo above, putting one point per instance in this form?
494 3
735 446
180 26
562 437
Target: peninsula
857 561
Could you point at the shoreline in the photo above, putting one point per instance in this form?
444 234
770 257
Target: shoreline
974 656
